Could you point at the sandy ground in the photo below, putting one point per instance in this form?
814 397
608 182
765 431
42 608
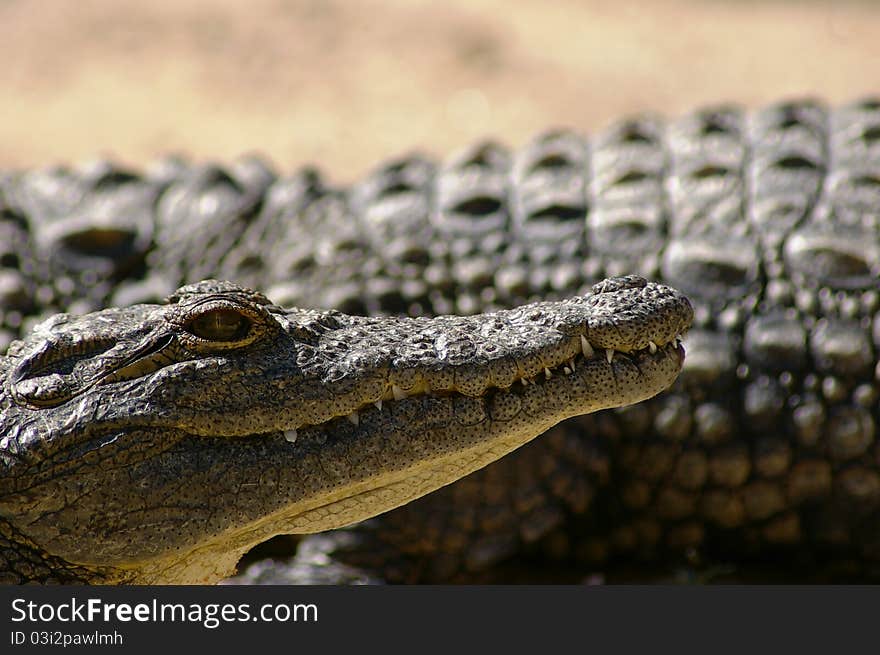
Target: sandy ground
345 84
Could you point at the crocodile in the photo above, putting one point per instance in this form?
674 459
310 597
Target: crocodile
218 420
764 451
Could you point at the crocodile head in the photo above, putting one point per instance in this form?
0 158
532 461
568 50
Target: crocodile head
156 443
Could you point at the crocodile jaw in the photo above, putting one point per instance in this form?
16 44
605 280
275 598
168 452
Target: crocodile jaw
358 475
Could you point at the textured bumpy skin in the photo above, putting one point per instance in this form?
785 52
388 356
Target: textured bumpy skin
768 221
157 443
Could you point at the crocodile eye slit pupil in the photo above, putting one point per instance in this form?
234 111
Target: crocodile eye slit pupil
220 325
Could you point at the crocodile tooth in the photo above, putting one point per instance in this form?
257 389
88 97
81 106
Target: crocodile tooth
609 354
571 365
652 347
378 404
290 435
547 373
566 370
354 418
525 382
586 347
399 394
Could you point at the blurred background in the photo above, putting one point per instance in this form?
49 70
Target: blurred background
346 84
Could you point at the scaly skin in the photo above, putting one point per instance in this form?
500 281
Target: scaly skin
766 448
158 443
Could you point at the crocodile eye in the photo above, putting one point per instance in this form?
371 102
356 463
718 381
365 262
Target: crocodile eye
220 325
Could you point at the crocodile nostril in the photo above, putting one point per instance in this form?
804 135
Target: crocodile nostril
620 283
